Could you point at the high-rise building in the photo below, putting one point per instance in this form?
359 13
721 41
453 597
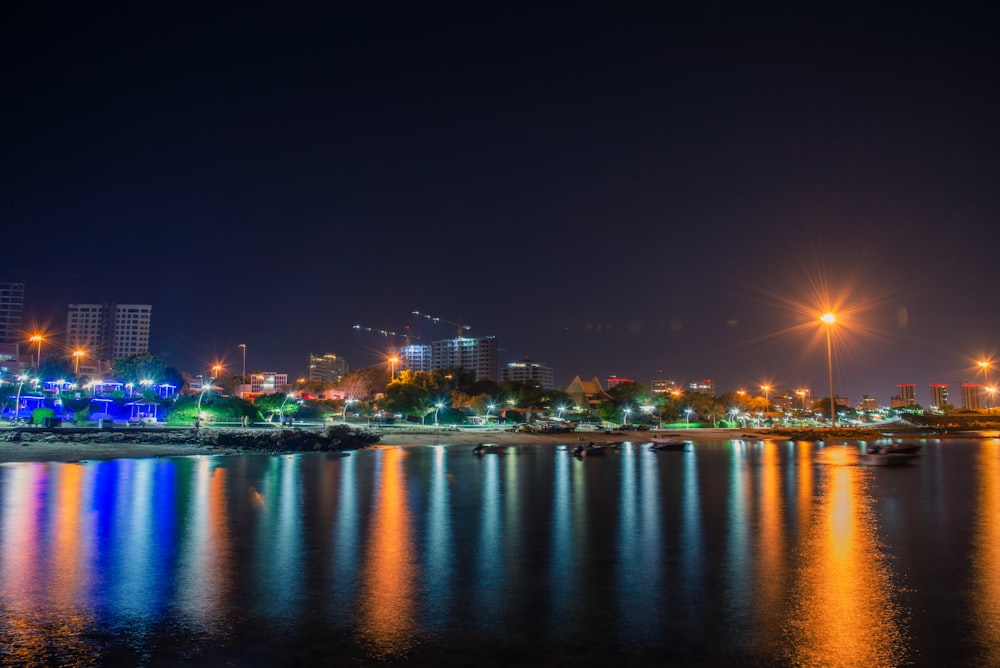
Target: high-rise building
939 395
617 380
907 394
476 355
11 310
663 386
703 387
869 403
970 396
328 368
108 332
531 373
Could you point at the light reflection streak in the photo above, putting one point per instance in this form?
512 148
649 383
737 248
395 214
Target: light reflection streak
439 560
205 568
347 539
489 564
279 541
770 550
844 612
563 565
985 592
739 564
692 545
387 612
641 563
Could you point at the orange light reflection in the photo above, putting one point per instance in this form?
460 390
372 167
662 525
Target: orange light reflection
387 608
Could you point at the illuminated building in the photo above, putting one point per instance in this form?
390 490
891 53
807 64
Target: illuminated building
586 393
869 403
939 394
662 385
11 308
531 373
907 395
267 382
476 355
970 396
108 331
703 387
328 368
618 380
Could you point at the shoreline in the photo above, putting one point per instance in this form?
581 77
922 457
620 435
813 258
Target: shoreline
51 446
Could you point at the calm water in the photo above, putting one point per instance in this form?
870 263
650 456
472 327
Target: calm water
770 554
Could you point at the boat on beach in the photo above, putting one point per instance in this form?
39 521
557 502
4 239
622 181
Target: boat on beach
669 444
489 449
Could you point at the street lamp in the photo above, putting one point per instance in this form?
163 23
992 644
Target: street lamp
392 367
990 390
765 389
216 369
985 366
37 339
347 402
17 401
626 412
243 380
829 319
77 354
802 395
687 416
437 408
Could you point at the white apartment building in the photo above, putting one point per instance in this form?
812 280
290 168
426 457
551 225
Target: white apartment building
108 332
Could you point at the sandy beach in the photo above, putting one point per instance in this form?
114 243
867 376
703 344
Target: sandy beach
56 449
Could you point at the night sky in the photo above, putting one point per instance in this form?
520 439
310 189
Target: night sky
607 188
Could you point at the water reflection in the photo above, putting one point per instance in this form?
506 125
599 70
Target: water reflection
770 553
985 591
844 612
387 610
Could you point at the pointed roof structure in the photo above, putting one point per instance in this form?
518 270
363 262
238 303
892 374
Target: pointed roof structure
586 393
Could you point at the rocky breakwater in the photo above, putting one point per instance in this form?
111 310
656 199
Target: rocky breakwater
252 440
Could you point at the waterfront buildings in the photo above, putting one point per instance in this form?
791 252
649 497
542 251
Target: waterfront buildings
939 395
107 332
530 372
328 368
703 387
617 380
907 396
11 311
970 396
586 393
478 355
663 385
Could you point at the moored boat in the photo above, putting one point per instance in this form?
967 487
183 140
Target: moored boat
888 459
669 444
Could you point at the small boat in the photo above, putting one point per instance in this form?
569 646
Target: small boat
669 444
489 449
897 449
888 459
593 449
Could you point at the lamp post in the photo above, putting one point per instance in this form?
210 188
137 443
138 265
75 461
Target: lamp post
347 402
626 412
216 370
37 339
17 401
802 395
828 319
489 407
243 380
77 354
990 390
985 366
392 367
765 389
687 416
437 409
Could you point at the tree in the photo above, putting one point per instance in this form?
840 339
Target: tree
143 366
714 412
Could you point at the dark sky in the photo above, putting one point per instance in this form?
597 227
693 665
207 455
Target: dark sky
608 188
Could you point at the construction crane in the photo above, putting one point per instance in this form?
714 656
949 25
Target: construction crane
386 333
461 326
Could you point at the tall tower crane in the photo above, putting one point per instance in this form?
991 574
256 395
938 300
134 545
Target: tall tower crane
405 334
461 326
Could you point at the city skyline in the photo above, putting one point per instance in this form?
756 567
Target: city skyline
976 375
637 192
